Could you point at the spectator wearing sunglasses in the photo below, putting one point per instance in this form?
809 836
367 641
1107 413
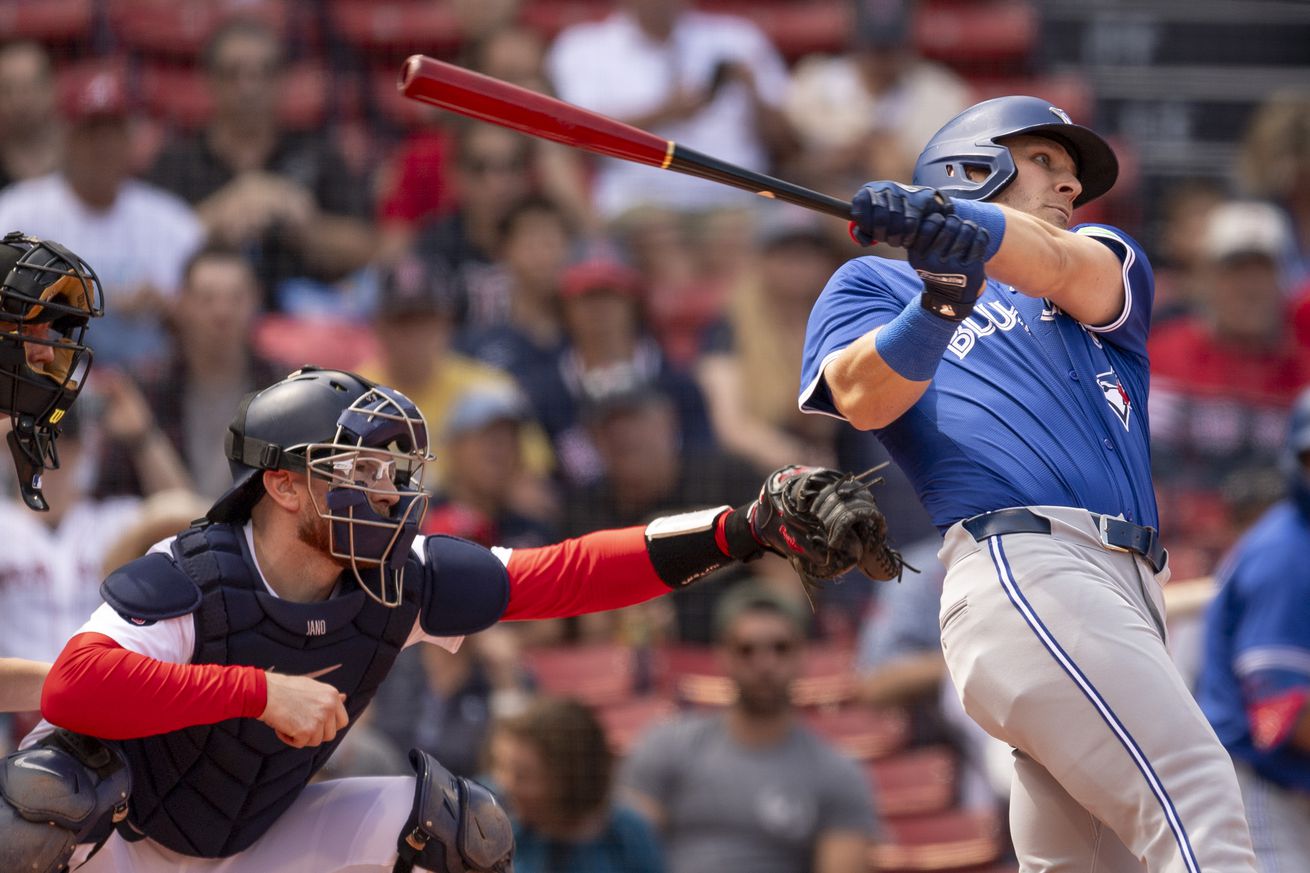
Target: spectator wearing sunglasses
750 787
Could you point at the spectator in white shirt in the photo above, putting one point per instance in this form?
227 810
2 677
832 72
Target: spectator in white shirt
138 236
710 82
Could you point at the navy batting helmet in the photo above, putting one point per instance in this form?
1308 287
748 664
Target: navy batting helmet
970 139
359 439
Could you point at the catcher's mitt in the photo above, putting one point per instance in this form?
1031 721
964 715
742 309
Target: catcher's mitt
825 523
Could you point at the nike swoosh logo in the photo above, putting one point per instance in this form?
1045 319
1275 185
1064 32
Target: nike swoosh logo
28 765
314 675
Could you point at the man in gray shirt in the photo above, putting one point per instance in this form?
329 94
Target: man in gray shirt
751 788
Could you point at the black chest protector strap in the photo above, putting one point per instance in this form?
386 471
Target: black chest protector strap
456 825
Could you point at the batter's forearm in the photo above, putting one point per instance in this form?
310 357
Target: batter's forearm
865 389
98 688
20 684
1076 273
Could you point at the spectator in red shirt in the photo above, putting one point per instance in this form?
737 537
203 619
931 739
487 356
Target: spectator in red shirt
1223 379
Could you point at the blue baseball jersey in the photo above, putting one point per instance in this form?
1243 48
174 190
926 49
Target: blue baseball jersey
1028 406
1257 645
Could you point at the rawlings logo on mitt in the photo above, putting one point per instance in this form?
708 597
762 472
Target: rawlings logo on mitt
825 523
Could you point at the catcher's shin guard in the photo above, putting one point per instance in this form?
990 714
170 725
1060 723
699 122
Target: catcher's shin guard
69 789
456 825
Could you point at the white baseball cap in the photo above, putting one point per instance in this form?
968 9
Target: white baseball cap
1245 228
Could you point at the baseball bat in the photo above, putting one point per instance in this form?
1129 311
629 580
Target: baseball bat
468 93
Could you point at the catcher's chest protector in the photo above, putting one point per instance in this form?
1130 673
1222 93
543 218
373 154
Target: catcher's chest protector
212 790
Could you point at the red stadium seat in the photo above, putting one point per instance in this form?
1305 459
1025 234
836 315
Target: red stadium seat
795 28
549 18
180 28
324 342
862 734
914 782
599 675
180 95
391 29
625 722
954 841
47 20
966 33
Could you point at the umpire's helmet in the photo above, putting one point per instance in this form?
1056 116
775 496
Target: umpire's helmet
349 433
970 139
47 297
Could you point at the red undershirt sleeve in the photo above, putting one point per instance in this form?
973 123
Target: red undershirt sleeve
604 570
97 687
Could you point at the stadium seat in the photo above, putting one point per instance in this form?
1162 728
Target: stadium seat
180 95
946 841
626 721
976 33
549 18
325 342
914 782
599 674
179 28
47 20
387 30
861 733
796 28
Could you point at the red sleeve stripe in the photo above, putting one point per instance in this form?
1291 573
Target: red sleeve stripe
97 687
604 570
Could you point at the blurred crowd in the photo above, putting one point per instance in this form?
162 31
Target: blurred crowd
593 343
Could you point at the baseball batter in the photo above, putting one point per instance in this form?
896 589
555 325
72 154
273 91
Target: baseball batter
227 663
1255 678
1004 367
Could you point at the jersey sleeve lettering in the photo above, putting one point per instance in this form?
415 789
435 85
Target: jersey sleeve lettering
863 294
1130 328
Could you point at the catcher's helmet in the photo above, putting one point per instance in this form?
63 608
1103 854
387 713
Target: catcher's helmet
47 297
970 139
350 433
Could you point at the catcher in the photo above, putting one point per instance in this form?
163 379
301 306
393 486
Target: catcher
227 664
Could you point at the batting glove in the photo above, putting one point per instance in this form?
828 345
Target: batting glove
948 256
891 213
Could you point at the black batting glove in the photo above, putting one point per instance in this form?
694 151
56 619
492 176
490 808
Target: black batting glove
948 256
889 212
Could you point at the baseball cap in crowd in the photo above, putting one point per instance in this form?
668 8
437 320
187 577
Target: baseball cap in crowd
483 406
1247 228
411 288
102 95
881 24
603 273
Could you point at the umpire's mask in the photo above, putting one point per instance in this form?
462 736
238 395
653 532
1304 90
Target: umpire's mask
47 297
363 441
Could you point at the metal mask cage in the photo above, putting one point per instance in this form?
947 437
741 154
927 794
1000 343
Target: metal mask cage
48 284
348 464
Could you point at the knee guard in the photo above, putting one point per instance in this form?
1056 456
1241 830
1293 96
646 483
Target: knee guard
456 825
68 789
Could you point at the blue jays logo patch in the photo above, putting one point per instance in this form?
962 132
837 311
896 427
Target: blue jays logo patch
1115 395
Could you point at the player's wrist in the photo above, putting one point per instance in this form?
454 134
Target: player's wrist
912 343
988 216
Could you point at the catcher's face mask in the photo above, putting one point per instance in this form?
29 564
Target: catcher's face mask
374 502
47 297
